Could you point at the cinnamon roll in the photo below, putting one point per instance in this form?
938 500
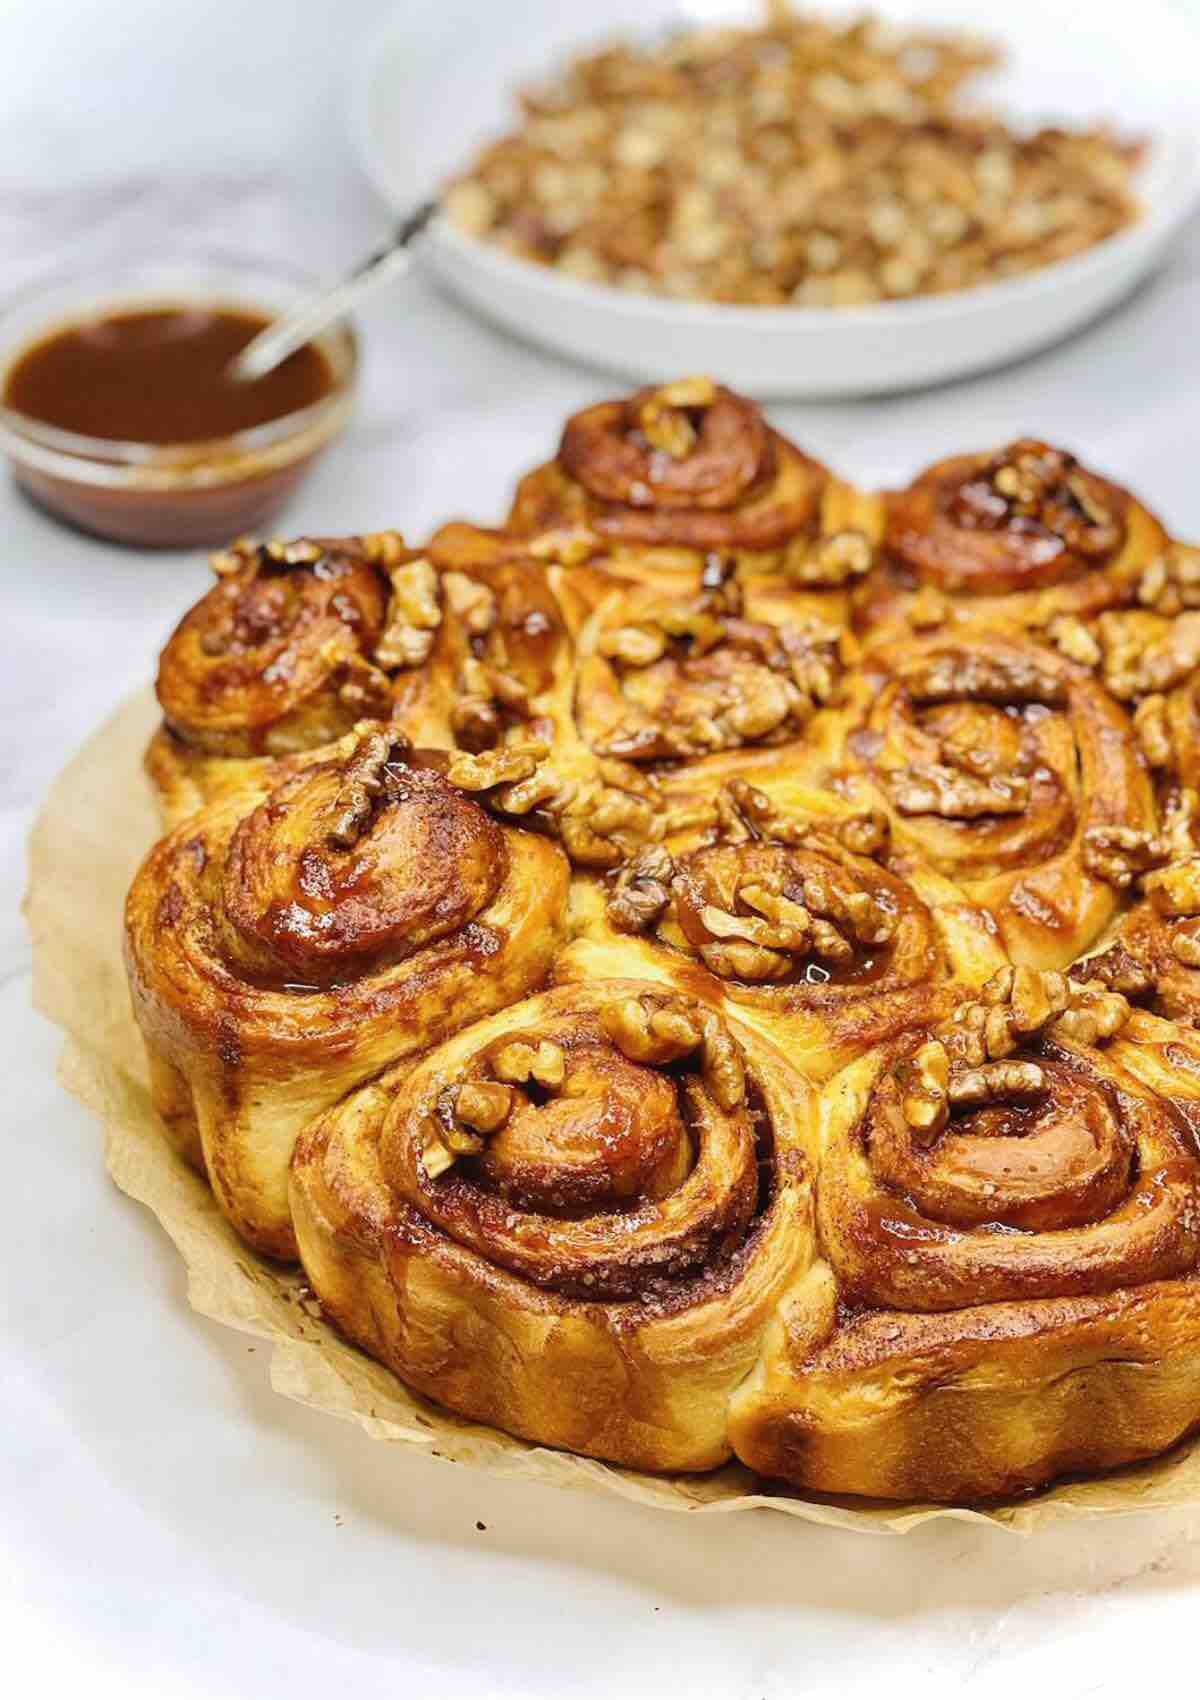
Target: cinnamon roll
795 923
574 1219
1025 535
669 476
1010 1209
285 944
1002 765
297 642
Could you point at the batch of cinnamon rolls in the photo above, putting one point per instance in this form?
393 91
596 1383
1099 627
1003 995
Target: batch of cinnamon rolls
711 968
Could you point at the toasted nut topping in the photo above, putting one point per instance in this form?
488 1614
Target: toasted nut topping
520 1062
1121 854
822 163
650 1029
363 779
483 1105
924 1079
931 788
1175 889
996 1082
414 615
1072 638
831 560
1171 582
643 891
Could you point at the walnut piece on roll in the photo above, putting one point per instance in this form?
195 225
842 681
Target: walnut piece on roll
793 922
574 1219
285 944
658 481
1009 1204
1026 535
998 763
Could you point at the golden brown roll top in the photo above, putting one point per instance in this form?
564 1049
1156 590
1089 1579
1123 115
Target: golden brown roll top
795 922
672 474
1004 767
284 946
584 1210
1010 1209
1025 534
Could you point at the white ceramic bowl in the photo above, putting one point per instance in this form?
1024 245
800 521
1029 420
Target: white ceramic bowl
437 80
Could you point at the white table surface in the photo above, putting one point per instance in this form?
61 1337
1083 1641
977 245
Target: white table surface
228 1542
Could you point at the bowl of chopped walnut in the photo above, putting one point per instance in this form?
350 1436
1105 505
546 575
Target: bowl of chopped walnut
811 205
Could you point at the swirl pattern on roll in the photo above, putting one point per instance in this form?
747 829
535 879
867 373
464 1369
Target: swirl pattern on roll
1026 534
671 475
1001 764
1010 1208
284 945
610 1170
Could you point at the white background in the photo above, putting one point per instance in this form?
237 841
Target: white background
227 1542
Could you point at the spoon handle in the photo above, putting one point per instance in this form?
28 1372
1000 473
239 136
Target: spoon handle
283 336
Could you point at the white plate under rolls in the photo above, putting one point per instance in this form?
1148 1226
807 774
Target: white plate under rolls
437 79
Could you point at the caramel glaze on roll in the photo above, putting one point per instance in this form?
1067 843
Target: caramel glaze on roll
573 1219
656 483
285 945
1010 1209
296 642
1025 535
792 922
1003 766
693 980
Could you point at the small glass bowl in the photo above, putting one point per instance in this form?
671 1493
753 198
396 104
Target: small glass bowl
172 495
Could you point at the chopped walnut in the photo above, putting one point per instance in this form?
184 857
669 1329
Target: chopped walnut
663 419
364 777
1153 730
996 1082
472 604
1117 969
465 1114
303 552
1014 1004
928 609
491 770
414 615
1185 944
483 1105
930 788
658 1030
954 675
1171 582
829 561
567 548
642 891
519 1062
386 548
1095 1013
1138 661
360 685
1175 889
1119 855
1073 639
924 1081
806 161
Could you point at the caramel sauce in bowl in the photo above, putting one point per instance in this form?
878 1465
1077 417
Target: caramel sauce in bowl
117 416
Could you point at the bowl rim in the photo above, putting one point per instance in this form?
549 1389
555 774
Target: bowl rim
111 460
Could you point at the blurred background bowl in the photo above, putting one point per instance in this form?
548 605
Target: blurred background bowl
438 80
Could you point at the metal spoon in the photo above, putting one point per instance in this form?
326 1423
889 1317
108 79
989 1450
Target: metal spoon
283 336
